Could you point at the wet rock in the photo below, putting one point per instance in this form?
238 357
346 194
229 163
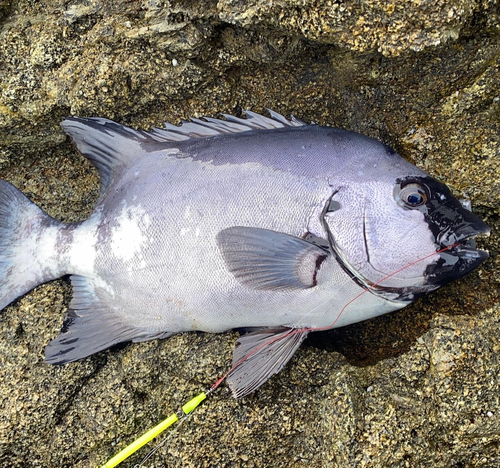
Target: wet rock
389 27
415 388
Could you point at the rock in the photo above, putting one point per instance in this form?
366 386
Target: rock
389 27
415 388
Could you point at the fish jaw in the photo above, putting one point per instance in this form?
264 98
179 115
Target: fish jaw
461 255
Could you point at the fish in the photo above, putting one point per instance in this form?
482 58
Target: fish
262 223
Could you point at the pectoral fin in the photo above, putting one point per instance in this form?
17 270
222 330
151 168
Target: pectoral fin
270 260
261 354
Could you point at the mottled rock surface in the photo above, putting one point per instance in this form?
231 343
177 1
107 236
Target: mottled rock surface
412 389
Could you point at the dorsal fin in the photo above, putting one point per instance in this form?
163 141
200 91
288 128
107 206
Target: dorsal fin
108 145
111 146
209 127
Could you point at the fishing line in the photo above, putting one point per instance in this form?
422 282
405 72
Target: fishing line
188 407
162 442
295 331
372 286
377 283
155 431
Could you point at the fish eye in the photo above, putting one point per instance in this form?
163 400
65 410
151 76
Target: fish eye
413 195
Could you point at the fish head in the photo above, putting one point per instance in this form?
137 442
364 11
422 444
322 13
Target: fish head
402 236
453 226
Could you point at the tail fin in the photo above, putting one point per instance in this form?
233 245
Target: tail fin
28 245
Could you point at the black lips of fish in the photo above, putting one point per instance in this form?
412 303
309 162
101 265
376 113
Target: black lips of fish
450 223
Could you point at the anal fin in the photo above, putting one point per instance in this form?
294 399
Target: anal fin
91 326
261 354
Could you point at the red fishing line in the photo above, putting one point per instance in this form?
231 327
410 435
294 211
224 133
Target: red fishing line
301 330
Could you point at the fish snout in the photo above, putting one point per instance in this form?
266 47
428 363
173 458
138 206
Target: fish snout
461 255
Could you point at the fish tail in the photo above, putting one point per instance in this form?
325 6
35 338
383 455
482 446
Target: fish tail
28 245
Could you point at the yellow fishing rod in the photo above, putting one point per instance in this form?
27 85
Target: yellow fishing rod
166 423
185 410
155 431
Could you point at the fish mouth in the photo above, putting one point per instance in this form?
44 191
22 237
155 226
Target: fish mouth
466 247
458 252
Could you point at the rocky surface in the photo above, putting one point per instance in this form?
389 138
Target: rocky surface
416 388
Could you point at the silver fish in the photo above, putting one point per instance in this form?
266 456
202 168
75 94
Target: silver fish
262 222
